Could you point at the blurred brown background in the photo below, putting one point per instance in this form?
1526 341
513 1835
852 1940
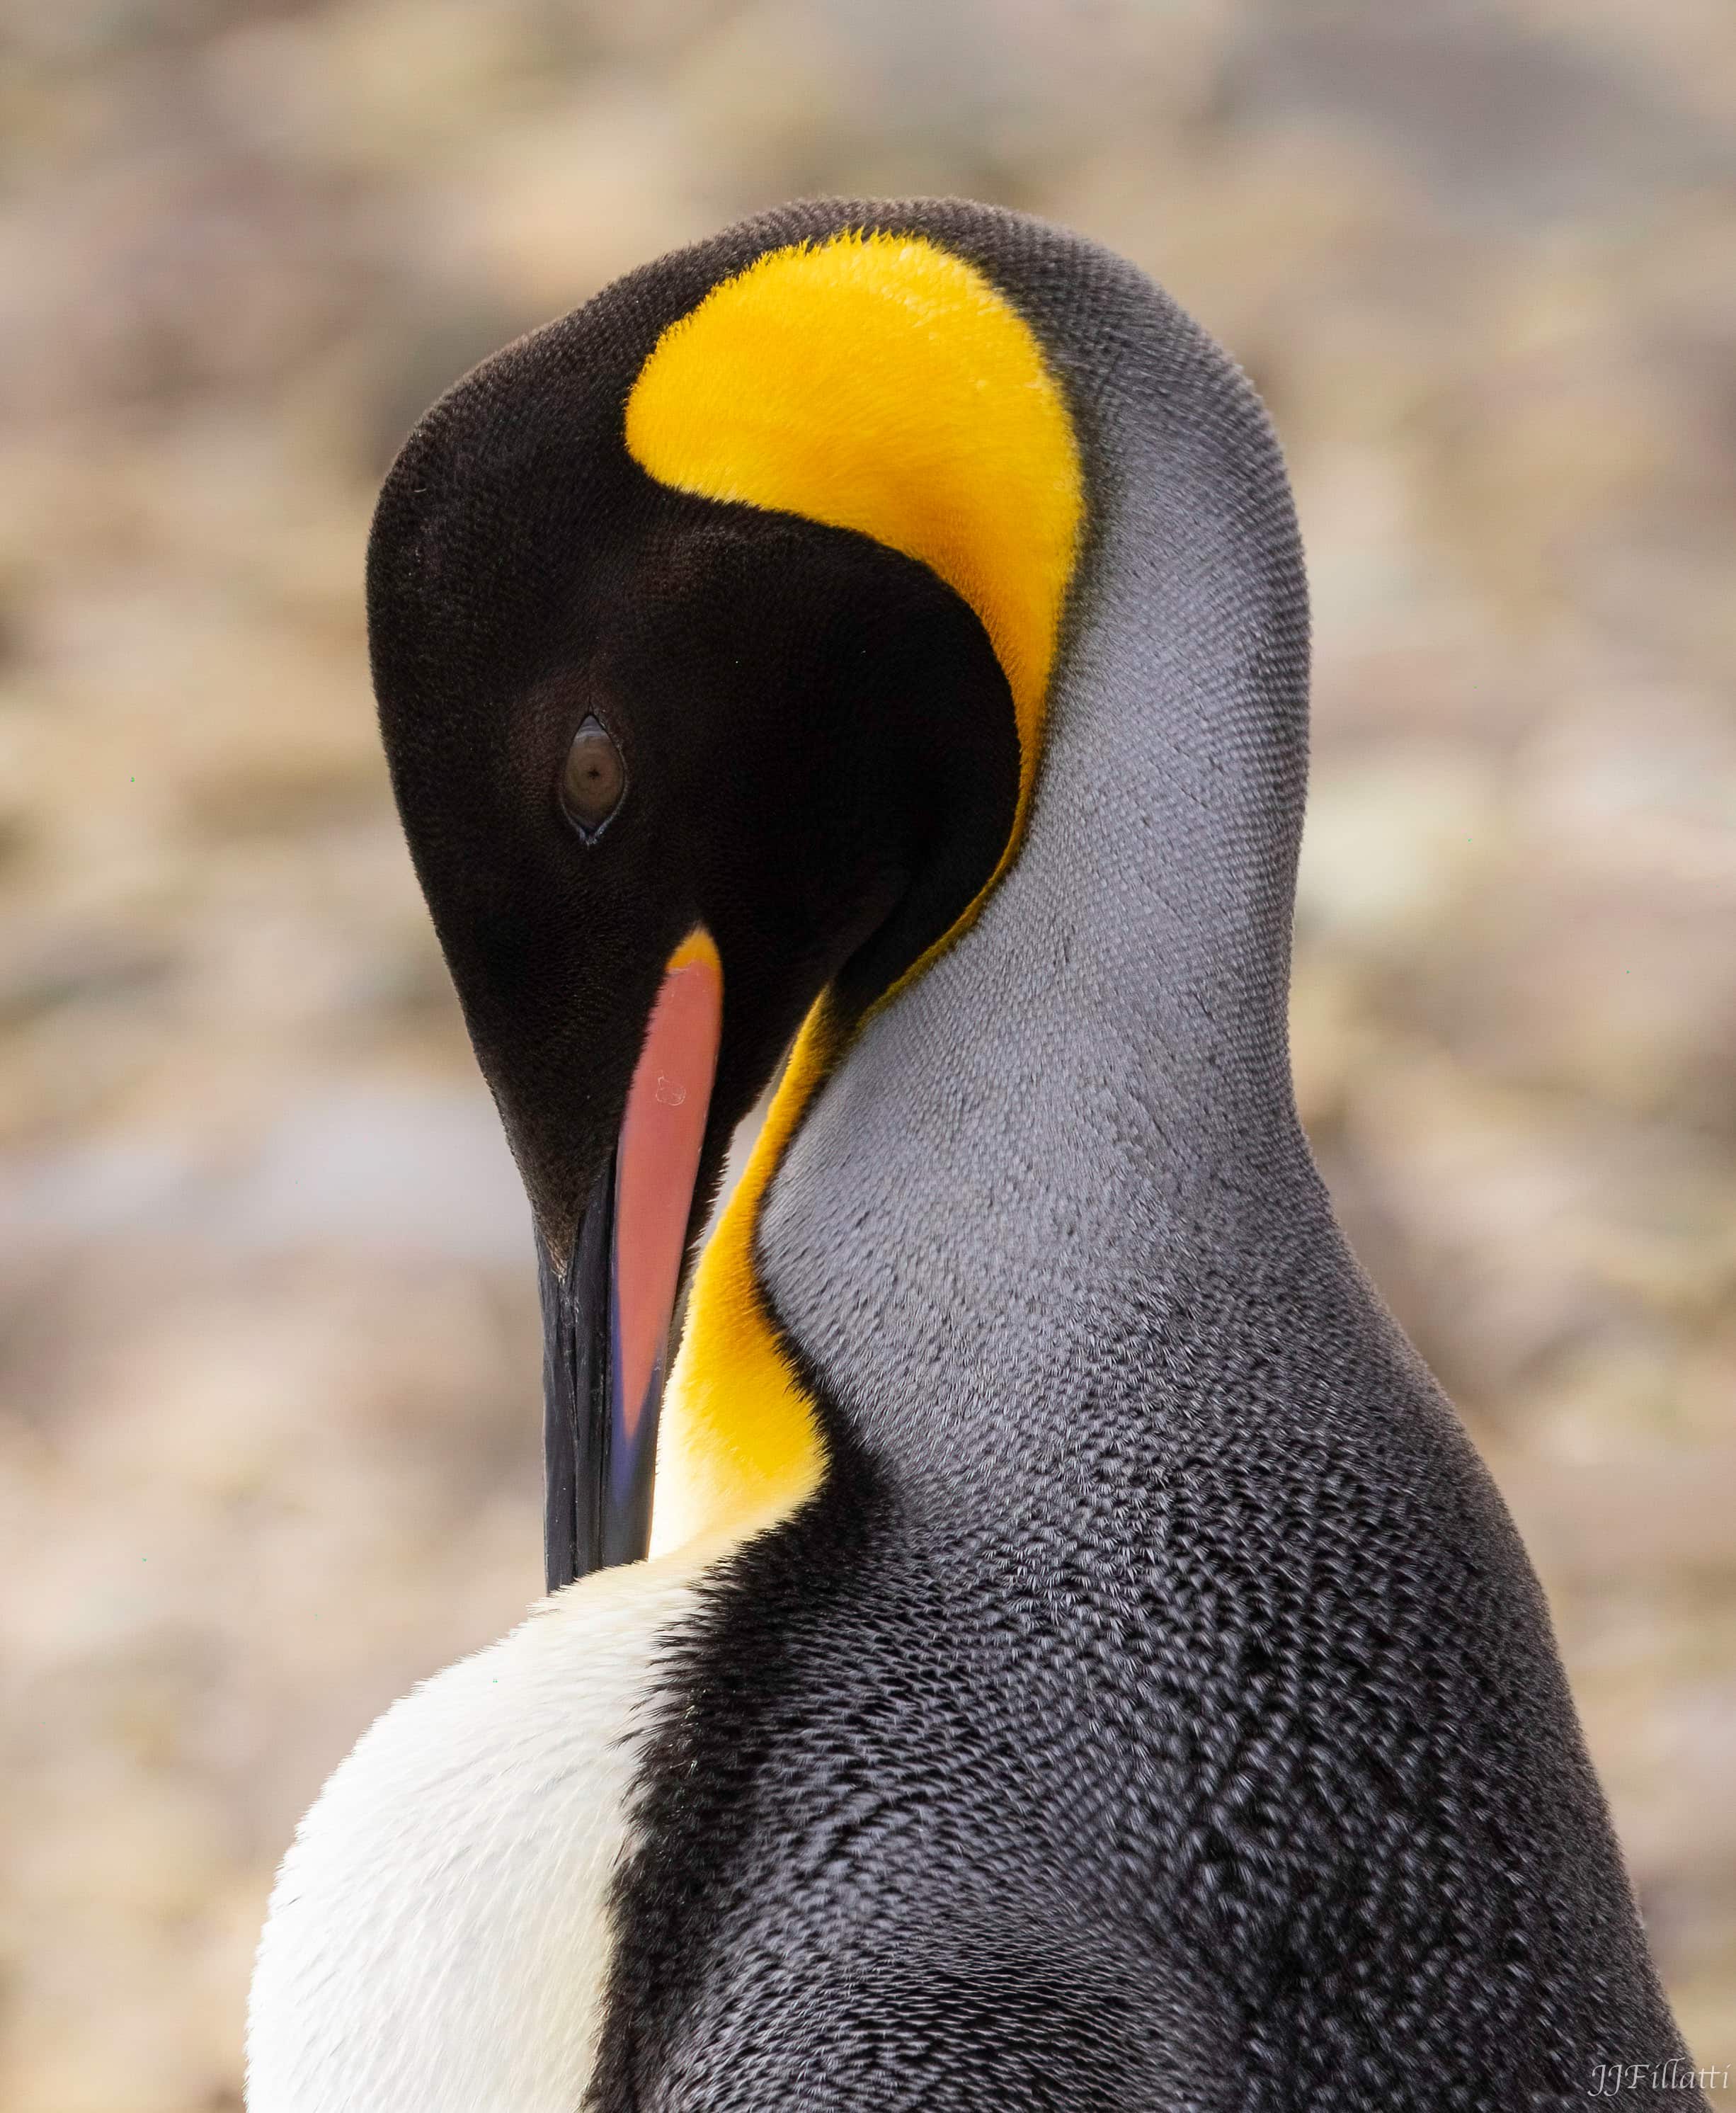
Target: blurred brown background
270 1444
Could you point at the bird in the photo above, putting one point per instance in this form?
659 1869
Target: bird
1024 1627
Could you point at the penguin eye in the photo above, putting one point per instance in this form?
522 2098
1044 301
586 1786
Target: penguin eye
595 779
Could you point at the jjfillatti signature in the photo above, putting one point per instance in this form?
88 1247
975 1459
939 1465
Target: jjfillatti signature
1611 2077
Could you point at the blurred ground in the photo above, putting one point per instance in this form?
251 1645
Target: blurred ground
269 1344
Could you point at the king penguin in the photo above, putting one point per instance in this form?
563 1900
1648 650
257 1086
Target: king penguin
1045 1641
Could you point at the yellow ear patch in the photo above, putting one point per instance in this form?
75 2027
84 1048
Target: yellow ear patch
878 383
874 383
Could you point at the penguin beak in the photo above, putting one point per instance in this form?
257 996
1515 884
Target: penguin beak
606 1320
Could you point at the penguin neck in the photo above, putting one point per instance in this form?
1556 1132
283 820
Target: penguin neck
1089 1095
1153 895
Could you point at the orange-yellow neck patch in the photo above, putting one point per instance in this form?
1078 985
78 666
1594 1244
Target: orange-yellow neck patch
873 382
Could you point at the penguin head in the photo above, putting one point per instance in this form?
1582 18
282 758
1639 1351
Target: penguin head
711 628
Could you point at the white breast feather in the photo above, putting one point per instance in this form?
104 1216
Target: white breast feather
438 1938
